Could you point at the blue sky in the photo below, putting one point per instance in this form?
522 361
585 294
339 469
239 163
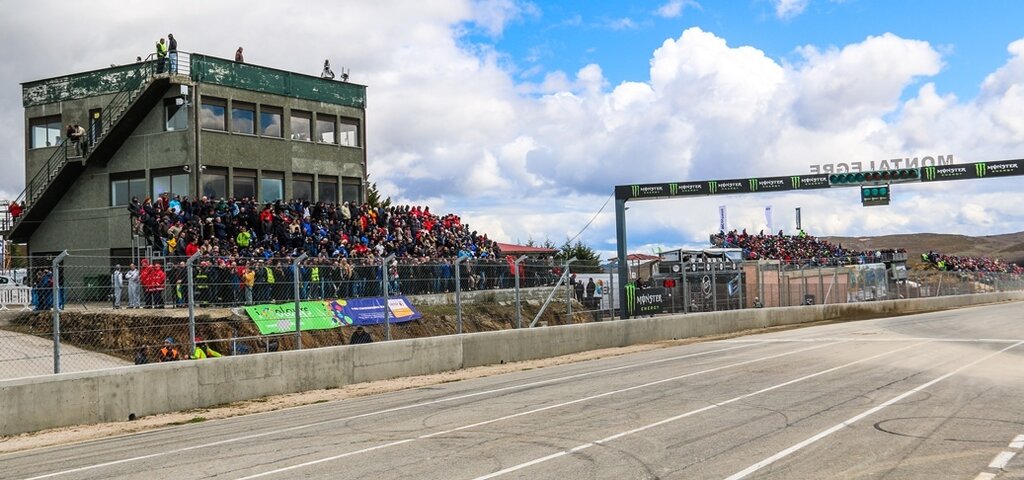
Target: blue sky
567 35
522 116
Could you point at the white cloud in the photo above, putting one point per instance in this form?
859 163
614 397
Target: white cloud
674 8
786 9
450 124
493 15
624 23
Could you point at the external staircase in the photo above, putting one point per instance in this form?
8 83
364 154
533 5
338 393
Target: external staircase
143 89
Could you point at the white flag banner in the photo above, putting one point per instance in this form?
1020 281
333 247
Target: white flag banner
722 222
768 218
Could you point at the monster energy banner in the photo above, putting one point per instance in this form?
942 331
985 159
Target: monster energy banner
972 170
721 187
644 301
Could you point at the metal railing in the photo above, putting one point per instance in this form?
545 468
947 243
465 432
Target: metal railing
136 81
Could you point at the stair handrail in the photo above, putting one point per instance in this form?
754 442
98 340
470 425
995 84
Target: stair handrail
145 71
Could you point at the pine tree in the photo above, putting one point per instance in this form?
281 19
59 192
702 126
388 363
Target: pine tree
373 197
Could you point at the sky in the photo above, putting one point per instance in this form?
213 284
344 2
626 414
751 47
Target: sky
522 116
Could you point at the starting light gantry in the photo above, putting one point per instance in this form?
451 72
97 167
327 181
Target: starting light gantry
875 189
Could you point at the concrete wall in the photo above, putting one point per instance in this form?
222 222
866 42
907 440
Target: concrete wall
33 404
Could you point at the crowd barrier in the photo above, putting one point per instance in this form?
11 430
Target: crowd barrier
32 404
16 296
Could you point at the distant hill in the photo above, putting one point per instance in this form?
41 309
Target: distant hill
1008 247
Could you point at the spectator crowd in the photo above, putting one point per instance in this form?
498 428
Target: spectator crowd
955 263
801 248
247 250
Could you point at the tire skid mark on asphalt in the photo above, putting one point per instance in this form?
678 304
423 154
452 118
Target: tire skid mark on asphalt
829 431
687 414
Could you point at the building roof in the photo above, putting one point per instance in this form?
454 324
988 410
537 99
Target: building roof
640 258
202 69
511 248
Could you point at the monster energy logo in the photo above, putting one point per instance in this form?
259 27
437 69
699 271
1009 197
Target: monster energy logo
673 188
929 173
712 187
753 184
630 299
795 182
636 190
980 170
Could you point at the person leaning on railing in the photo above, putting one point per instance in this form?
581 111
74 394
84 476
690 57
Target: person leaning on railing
76 134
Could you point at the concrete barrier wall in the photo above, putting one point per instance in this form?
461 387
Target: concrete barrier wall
38 403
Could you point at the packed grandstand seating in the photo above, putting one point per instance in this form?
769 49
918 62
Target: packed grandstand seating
344 244
242 228
801 248
955 263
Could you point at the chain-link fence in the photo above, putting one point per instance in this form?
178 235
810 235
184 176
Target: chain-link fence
74 313
129 310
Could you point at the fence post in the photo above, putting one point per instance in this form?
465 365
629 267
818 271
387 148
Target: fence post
458 295
56 301
821 288
740 279
519 306
686 286
191 303
296 279
714 289
778 276
572 286
611 294
384 283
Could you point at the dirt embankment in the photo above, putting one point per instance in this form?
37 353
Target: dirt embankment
121 333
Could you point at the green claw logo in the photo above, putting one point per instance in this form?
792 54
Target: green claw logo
712 187
929 173
630 299
636 190
980 170
673 188
753 184
795 182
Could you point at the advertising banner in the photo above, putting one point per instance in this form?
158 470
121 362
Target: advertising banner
721 187
968 171
644 301
327 314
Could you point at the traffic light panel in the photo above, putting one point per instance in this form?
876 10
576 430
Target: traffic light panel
875 195
874 178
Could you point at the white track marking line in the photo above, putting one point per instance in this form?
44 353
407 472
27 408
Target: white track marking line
869 340
684 415
1018 442
530 412
784 453
1001 460
985 476
380 412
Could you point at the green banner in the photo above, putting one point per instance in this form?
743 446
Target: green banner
280 318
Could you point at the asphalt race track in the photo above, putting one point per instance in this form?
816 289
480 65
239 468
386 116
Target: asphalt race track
932 396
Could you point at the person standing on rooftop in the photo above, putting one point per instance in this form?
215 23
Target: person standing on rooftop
161 55
238 56
173 49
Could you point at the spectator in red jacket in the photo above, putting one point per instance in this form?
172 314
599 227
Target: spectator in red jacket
153 280
15 210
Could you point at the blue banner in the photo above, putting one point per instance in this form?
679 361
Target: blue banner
370 311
